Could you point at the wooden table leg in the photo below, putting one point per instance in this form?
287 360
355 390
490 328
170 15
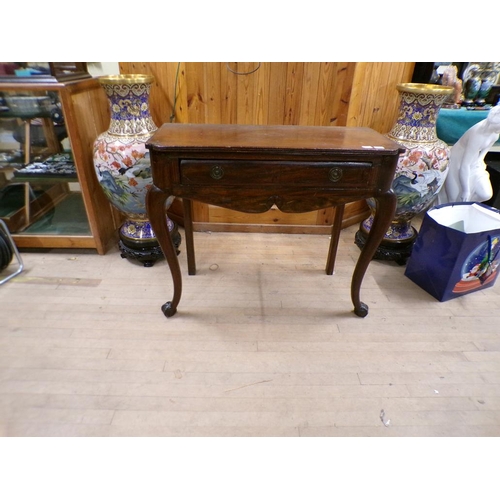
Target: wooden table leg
157 203
385 209
188 235
335 237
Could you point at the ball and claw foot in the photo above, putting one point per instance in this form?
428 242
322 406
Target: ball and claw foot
362 311
168 310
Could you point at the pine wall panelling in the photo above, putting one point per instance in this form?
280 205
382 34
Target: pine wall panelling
278 93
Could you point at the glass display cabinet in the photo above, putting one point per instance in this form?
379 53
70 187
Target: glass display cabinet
49 194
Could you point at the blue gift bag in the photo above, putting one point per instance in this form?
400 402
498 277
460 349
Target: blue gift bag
457 250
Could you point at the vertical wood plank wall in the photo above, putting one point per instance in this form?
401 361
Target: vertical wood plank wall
277 93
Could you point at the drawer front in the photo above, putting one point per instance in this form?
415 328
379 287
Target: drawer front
340 174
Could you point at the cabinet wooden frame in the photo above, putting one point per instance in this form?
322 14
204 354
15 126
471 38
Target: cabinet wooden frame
86 114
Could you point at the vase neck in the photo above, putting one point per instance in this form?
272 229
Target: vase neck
417 116
129 106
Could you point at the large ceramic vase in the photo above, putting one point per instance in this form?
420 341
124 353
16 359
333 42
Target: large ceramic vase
123 167
421 169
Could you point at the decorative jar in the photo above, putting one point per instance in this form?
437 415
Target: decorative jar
421 169
123 166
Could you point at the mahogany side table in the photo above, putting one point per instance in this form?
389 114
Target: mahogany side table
250 168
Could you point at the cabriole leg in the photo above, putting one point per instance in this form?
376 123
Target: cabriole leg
157 202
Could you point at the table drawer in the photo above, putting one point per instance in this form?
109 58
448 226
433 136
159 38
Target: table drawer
343 174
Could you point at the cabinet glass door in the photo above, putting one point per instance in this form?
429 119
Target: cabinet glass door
39 189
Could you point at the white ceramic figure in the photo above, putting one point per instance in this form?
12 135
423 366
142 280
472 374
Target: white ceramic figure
467 178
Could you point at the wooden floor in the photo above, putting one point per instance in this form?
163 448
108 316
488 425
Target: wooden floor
264 344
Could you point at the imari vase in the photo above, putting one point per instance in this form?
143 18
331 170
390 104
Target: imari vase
421 169
123 166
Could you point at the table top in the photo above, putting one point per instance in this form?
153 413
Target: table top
272 138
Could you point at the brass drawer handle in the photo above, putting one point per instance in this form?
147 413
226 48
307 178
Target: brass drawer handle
335 174
217 172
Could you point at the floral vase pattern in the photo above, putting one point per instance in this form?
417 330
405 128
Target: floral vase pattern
479 79
421 169
472 86
122 163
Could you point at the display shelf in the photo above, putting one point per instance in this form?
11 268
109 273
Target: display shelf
22 204
49 193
